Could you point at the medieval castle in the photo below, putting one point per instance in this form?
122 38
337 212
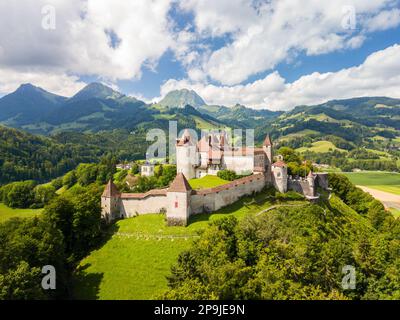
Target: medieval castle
209 155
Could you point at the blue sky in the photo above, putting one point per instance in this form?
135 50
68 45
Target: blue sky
263 54
169 68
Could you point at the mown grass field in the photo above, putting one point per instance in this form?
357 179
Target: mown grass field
8 213
384 181
320 147
134 262
207 182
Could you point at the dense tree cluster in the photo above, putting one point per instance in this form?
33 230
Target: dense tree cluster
26 194
25 156
228 175
69 227
341 160
297 166
163 176
360 201
291 253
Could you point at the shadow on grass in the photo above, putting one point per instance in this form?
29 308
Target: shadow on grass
108 232
257 199
86 285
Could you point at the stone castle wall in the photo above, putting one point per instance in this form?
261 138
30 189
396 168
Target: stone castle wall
209 200
301 186
202 201
132 204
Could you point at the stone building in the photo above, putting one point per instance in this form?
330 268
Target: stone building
213 153
208 156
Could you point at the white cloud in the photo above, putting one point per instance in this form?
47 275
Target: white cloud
53 81
80 44
264 35
384 20
379 75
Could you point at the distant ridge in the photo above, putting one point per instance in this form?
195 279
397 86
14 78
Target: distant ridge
181 98
96 90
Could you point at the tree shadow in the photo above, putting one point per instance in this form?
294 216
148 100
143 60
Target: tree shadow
106 235
245 201
86 286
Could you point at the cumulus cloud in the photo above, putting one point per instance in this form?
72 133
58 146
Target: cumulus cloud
384 20
53 81
112 40
378 76
264 34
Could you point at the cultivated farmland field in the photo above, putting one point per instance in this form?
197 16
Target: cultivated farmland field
383 181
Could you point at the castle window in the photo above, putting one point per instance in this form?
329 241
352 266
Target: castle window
176 204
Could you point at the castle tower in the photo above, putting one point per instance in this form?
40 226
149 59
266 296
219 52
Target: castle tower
186 155
311 182
110 200
280 176
178 197
267 147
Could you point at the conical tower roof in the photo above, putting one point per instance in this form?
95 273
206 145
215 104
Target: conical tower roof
267 141
180 184
110 190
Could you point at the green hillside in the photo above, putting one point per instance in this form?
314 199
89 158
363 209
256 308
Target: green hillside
134 263
181 98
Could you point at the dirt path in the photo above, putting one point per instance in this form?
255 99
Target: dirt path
389 200
280 206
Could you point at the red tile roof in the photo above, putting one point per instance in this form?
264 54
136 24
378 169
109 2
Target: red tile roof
110 190
280 164
180 184
154 192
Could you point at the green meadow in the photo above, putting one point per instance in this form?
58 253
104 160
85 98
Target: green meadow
8 213
136 259
207 182
320 147
384 181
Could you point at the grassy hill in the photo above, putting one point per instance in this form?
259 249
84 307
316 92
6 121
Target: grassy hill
320 147
134 263
353 123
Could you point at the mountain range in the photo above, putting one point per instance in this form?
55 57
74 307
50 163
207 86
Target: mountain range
368 121
97 107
